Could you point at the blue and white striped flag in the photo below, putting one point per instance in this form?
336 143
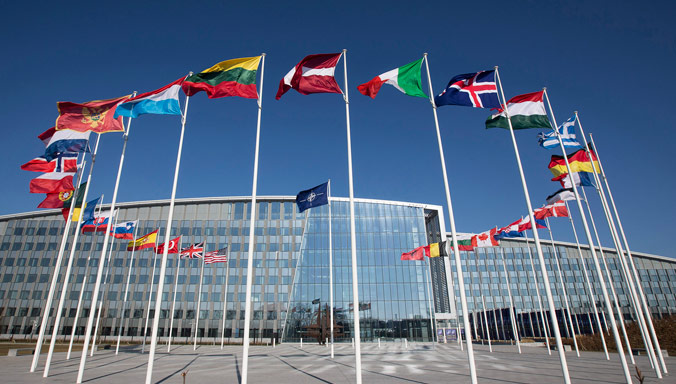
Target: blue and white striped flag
567 132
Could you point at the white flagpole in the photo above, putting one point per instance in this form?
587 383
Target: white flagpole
330 269
82 290
69 267
150 292
225 296
610 280
57 268
599 273
454 237
252 227
105 284
435 338
637 293
537 292
97 286
199 302
167 235
353 235
628 276
295 275
590 291
488 334
563 288
126 291
538 246
173 303
515 329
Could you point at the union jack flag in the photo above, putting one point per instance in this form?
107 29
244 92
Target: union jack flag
476 90
195 251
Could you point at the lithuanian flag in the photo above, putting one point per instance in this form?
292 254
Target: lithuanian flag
235 77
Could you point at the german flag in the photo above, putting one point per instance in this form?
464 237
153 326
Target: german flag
579 162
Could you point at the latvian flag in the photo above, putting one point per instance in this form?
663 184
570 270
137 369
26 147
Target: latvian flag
314 74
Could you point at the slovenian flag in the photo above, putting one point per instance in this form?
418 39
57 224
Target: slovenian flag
124 230
67 140
163 101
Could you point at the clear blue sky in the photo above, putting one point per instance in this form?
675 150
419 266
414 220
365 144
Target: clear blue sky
613 62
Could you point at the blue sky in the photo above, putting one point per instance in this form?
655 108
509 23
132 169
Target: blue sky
612 63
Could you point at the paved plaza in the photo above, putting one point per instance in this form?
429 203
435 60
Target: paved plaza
289 364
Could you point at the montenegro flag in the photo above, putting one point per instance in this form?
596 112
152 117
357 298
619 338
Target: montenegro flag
147 241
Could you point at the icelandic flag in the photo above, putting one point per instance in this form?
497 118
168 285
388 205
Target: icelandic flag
65 162
124 230
567 133
476 90
66 140
163 101
313 197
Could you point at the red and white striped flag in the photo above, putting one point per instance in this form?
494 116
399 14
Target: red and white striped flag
220 256
314 74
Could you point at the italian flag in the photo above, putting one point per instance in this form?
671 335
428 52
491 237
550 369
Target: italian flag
526 111
406 79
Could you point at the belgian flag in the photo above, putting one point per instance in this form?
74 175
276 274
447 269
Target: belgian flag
439 249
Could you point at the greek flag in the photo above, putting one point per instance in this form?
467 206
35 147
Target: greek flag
567 132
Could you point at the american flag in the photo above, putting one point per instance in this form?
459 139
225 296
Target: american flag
195 251
220 256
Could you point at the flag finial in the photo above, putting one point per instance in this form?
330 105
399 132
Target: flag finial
496 67
263 54
425 54
344 50
544 88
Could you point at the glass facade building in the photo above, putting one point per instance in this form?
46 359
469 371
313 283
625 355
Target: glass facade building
290 286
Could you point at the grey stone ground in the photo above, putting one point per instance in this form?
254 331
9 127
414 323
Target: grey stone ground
288 364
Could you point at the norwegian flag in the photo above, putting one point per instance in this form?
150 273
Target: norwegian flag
195 251
220 256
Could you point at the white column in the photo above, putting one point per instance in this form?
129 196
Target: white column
330 270
150 293
163 267
225 299
454 236
537 292
252 227
488 333
126 290
599 273
173 303
512 316
105 283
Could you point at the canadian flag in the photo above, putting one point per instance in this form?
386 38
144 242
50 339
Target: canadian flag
485 239
314 74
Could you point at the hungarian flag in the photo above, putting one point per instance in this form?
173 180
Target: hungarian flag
65 162
52 182
406 79
525 111
235 77
163 101
147 241
57 200
314 74
476 90
173 246
578 160
557 209
96 116
416 254
485 239
57 142
562 194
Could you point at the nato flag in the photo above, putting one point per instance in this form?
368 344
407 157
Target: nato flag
313 197
476 90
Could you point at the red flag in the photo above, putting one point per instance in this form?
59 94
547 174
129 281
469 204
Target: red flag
52 182
57 200
416 254
557 209
314 74
173 246
95 116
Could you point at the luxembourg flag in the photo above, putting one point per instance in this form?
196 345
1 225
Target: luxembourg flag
163 101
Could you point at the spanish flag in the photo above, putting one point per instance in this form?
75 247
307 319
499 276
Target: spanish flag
579 162
147 241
